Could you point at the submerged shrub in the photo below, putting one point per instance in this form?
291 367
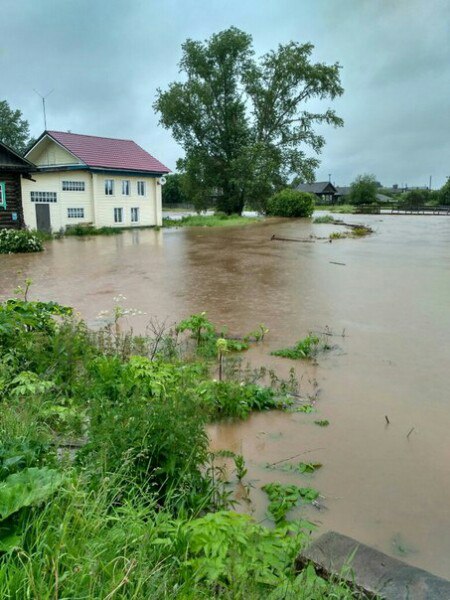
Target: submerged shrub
291 203
19 240
308 347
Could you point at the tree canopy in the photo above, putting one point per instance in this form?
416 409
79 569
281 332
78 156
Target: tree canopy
444 193
363 190
14 130
173 190
244 123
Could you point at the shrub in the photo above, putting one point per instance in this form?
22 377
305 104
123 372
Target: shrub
291 203
19 240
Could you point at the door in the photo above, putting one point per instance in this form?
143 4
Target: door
43 218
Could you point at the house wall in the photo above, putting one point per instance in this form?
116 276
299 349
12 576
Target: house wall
98 207
13 200
150 209
49 153
52 182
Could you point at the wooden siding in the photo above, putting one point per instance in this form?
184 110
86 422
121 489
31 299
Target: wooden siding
13 200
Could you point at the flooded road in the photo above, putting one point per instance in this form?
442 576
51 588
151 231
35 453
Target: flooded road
392 297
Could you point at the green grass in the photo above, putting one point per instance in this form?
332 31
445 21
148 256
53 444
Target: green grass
108 488
308 347
209 221
85 230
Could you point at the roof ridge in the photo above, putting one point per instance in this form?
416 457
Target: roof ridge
103 137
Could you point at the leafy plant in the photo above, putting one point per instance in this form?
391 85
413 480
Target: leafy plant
291 203
282 498
308 347
322 423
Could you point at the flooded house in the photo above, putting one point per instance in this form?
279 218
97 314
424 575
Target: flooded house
89 179
12 169
325 191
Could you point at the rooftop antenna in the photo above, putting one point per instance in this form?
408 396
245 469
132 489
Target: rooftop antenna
43 105
329 177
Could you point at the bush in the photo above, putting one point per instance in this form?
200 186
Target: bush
19 240
291 203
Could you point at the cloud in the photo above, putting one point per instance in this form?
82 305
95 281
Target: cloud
106 59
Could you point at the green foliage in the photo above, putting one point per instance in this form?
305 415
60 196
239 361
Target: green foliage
19 240
14 130
283 498
81 230
222 399
363 190
173 191
291 203
199 325
325 219
243 123
301 467
322 423
106 482
308 347
217 220
444 194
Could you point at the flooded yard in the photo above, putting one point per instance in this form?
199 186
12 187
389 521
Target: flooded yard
390 294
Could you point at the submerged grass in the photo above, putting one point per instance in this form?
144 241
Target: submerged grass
308 347
217 220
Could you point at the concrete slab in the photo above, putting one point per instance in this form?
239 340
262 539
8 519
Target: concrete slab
371 571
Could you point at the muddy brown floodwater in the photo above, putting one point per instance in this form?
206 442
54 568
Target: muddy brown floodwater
392 297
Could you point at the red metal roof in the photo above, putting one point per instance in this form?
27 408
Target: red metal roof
108 153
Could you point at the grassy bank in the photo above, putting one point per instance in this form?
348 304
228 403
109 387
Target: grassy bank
209 221
108 488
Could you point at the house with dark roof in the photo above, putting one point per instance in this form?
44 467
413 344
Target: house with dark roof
324 190
90 179
12 169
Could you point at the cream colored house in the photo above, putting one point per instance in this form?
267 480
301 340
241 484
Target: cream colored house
89 179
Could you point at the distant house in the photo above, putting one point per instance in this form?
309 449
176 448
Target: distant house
324 190
12 168
89 179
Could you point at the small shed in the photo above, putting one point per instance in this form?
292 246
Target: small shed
12 168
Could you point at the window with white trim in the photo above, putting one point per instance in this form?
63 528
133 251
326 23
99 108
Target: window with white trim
141 188
75 213
135 215
118 215
73 186
2 194
43 197
125 187
109 187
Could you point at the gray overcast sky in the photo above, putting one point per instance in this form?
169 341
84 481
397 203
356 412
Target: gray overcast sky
106 58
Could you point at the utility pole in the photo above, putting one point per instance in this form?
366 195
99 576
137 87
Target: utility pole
430 184
43 106
329 177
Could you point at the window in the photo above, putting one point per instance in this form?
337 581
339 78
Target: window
141 188
43 197
125 187
109 187
73 186
2 195
75 213
118 215
135 215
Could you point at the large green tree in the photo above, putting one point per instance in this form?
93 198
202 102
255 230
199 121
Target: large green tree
444 193
244 123
173 191
14 130
363 190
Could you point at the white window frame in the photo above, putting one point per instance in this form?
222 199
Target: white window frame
122 213
109 189
75 213
126 187
144 188
43 197
138 214
3 194
73 186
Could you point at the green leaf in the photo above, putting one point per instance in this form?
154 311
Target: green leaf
30 486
